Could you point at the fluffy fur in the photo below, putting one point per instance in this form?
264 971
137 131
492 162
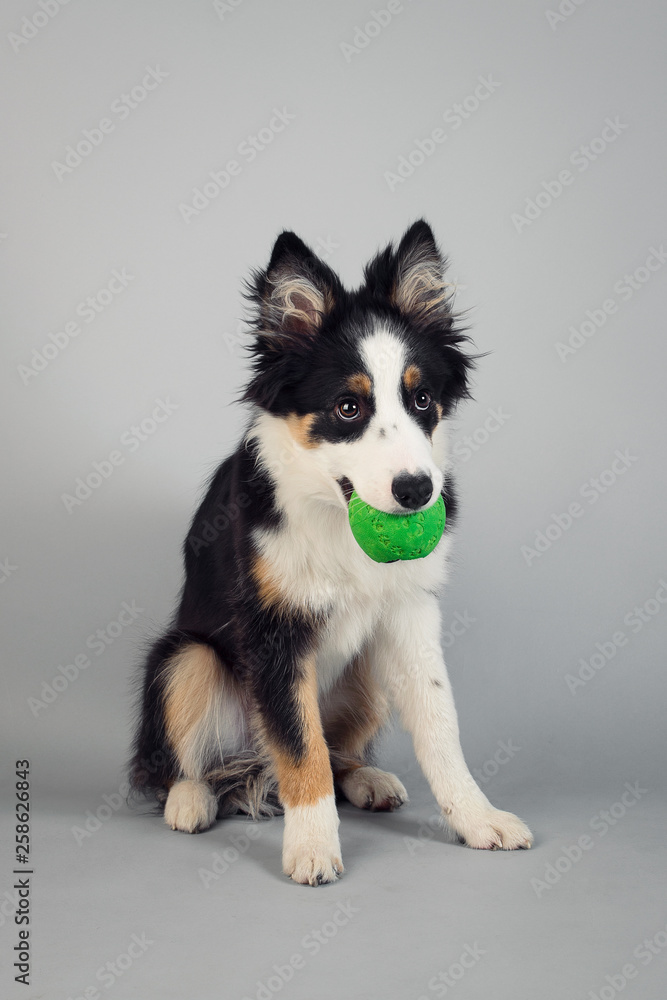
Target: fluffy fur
290 646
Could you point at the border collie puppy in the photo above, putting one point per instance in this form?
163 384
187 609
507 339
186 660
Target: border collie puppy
290 646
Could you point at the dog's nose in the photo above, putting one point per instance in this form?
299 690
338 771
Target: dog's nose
412 491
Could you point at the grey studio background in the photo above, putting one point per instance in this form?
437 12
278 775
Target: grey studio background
532 137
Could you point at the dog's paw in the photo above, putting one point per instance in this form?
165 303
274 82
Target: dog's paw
370 788
311 848
191 807
492 830
314 865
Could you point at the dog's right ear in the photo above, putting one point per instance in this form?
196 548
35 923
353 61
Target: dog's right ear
291 300
295 293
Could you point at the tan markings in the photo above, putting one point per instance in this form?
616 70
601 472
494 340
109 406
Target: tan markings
272 595
194 676
306 781
411 377
328 301
205 710
353 712
439 410
360 384
300 428
268 587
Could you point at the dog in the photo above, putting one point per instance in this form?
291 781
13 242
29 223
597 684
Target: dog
290 646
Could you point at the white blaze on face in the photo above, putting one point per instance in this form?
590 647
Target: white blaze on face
393 442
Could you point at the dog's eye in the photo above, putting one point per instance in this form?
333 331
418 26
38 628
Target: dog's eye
422 400
348 409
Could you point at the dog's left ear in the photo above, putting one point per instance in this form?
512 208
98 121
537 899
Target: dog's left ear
296 291
412 277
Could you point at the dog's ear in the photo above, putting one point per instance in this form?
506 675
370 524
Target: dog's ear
411 278
291 299
419 287
295 293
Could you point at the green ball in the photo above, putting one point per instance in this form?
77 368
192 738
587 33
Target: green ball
389 537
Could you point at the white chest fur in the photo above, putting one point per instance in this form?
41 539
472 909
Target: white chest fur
320 566
317 562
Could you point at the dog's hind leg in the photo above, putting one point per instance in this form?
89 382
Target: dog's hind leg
202 718
354 711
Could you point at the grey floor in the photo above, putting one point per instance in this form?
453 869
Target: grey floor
415 916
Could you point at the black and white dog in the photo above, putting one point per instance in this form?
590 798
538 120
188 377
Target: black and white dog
290 645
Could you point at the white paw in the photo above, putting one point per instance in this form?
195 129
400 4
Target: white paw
311 848
370 788
314 865
491 830
191 807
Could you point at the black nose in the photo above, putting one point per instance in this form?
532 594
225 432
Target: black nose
412 491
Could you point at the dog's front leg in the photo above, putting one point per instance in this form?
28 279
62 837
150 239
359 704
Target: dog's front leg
408 657
292 733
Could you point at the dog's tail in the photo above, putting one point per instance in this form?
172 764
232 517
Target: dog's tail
153 766
244 783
